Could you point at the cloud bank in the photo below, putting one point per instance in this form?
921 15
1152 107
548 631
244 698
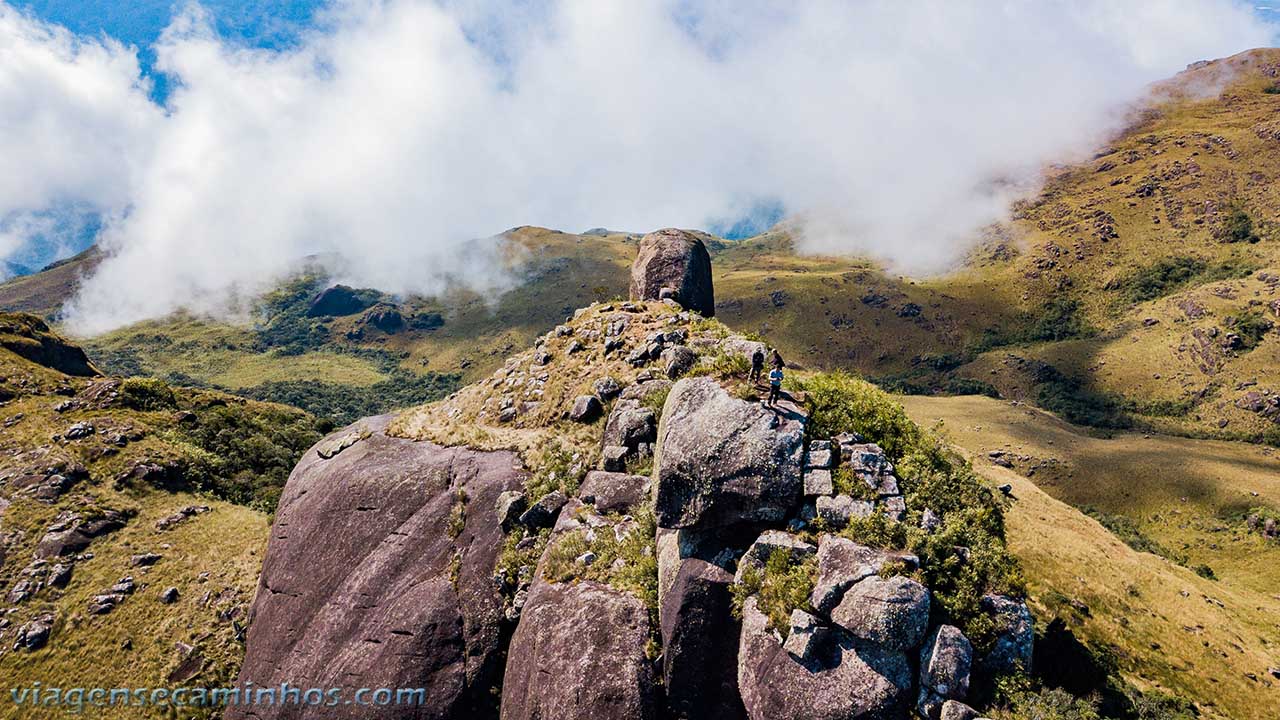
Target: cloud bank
396 131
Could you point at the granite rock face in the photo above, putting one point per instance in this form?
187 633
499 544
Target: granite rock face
699 643
893 612
845 679
363 586
678 262
579 652
723 461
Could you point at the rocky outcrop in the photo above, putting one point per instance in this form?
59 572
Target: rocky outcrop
629 432
27 336
699 635
340 300
579 652
723 461
845 678
365 585
71 533
945 661
34 634
842 563
673 263
613 492
1015 635
585 409
893 612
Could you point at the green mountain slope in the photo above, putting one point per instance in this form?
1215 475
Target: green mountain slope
102 480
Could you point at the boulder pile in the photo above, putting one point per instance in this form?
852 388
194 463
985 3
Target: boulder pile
634 575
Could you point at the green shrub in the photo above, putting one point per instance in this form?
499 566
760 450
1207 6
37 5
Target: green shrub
723 365
637 573
782 586
1076 403
846 482
1272 89
558 468
656 400
1168 275
931 476
1050 704
1156 705
147 394
243 452
1161 278
1237 227
344 404
969 386
458 514
1130 534
1058 319
284 324
1251 326
838 402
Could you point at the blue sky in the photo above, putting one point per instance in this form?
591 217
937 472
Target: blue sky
260 23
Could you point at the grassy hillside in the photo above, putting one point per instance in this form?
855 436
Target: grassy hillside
1139 544
79 449
43 293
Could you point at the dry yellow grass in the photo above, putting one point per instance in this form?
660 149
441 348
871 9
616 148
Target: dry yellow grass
1170 628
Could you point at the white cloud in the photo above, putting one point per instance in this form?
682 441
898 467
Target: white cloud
403 128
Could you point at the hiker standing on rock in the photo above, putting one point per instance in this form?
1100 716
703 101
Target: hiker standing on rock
776 361
775 385
757 365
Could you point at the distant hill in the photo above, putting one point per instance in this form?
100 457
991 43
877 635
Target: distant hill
1137 289
43 293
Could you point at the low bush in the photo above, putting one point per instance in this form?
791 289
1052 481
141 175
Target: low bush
965 558
1251 326
243 452
1237 227
147 394
780 587
344 404
558 468
1168 275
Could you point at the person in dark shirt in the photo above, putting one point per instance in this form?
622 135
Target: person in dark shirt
757 365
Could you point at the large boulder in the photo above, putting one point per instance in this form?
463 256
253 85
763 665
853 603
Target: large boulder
843 562
845 679
945 661
364 585
723 461
700 642
630 425
893 612
678 262
579 652
613 492
340 300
